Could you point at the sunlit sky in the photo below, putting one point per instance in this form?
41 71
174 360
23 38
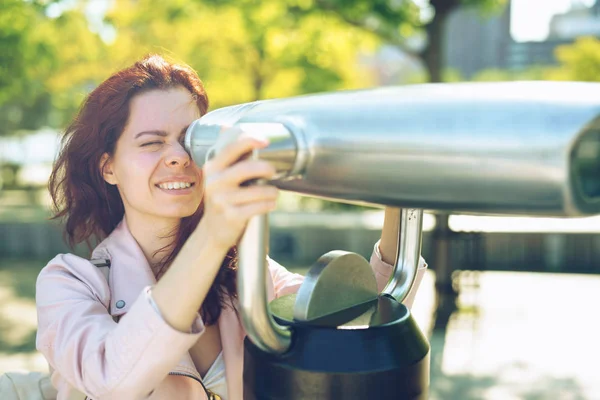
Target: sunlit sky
530 19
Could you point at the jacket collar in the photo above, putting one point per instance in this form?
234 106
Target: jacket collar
130 272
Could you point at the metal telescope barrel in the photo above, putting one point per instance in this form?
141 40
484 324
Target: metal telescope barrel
503 148
495 148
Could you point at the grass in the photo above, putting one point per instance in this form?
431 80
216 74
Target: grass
18 318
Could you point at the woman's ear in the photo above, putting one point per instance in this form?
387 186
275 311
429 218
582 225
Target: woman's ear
106 169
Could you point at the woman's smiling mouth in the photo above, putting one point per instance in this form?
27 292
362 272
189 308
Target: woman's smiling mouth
176 187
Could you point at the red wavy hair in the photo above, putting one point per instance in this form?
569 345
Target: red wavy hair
90 207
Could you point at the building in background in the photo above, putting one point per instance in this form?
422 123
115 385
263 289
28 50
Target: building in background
474 42
578 21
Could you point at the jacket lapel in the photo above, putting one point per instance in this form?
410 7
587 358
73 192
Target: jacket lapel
130 272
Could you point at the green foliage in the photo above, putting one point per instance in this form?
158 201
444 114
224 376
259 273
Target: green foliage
486 7
450 75
394 21
38 80
390 20
243 51
19 92
496 75
579 61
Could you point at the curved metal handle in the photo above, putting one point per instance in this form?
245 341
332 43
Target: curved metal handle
408 254
260 326
288 155
257 320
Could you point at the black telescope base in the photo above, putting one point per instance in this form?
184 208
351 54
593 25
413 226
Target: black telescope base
266 382
390 361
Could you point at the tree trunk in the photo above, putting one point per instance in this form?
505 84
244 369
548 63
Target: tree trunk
433 54
257 85
433 58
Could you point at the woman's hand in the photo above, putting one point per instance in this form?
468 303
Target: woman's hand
228 206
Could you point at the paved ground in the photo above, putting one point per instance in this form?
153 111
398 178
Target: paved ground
516 336
520 336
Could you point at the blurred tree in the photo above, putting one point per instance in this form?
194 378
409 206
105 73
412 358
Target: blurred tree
532 73
579 61
19 92
399 22
53 55
38 80
244 51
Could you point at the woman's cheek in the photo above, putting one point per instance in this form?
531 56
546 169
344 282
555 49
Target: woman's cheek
145 164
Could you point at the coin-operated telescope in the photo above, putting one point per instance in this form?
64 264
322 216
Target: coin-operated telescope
528 148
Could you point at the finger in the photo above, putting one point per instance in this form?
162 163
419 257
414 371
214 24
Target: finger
240 173
250 210
251 194
238 146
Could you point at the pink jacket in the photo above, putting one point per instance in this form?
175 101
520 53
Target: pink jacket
141 356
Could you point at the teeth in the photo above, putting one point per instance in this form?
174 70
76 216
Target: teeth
175 185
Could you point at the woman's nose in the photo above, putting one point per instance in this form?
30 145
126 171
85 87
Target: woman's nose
178 157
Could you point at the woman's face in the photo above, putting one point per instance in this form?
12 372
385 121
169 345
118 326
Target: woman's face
154 174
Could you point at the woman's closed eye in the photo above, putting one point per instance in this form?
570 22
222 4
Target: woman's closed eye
150 144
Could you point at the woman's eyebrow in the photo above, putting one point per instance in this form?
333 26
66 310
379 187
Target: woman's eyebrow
157 133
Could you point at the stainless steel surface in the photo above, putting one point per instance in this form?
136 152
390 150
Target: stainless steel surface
337 281
284 152
495 148
408 253
199 139
260 327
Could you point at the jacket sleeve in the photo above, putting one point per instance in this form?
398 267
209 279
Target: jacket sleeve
99 357
286 282
383 274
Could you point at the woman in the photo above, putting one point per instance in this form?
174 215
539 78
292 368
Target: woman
164 325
